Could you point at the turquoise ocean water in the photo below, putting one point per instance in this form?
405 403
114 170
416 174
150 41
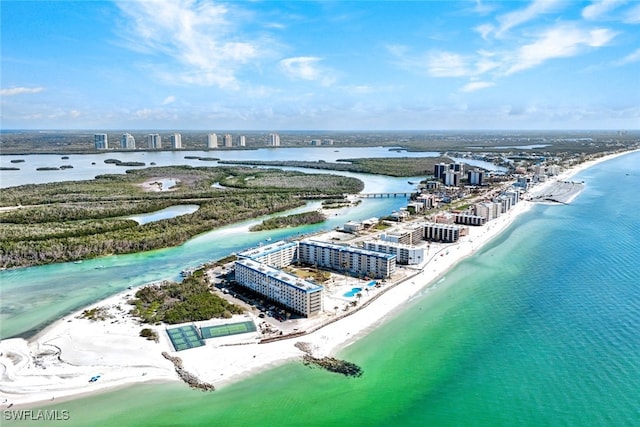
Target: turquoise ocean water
540 327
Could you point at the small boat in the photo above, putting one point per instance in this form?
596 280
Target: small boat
77 262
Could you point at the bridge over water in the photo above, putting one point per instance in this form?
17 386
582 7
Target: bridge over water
382 195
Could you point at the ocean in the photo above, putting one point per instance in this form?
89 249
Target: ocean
539 327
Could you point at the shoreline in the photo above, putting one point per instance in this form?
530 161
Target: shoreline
58 361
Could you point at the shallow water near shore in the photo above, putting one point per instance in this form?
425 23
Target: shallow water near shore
539 327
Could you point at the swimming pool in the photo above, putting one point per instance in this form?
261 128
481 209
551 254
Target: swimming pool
352 292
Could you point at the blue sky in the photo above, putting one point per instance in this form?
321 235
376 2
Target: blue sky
339 65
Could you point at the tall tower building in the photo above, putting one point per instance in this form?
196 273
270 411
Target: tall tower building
452 178
154 141
212 140
101 141
274 140
176 141
228 140
439 170
128 142
475 177
242 141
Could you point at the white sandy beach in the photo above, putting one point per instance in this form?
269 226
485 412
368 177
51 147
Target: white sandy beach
59 361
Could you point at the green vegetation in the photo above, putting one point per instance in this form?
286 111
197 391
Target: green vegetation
149 334
121 163
295 220
187 301
68 221
95 314
400 166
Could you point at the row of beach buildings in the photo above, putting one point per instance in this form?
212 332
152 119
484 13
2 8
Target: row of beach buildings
261 269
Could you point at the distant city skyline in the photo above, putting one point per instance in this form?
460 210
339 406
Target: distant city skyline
382 65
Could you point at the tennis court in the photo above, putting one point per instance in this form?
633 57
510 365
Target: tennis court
228 329
185 337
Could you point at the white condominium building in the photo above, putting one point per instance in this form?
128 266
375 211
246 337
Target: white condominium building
101 141
176 141
274 140
242 141
469 219
228 140
300 296
405 254
279 254
346 258
128 142
446 233
154 141
212 140
489 210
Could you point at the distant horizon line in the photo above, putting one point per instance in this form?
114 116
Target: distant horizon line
156 130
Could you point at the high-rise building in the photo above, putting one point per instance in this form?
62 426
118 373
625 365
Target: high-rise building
298 295
451 178
241 141
458 167
439 170
228 140
176 141
101 141
128 142
274 140
475 177
154 141
212 140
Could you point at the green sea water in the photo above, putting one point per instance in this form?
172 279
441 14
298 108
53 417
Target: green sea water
540 327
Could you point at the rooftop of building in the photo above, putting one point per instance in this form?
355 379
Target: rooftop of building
350 249
282 276
265 250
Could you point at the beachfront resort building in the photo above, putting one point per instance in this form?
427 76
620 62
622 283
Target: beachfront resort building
241 141
405 254
298 295
279 254
349 259
488 210
445 233
101 141
465 218
228 140
405 236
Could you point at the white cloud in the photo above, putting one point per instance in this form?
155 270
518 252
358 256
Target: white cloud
307 68
20 90
558 42
447 64
632 57
198 36
473 86
632 16
599 8
510 20
169 100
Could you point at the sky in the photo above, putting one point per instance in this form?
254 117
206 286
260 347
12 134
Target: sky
325 65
